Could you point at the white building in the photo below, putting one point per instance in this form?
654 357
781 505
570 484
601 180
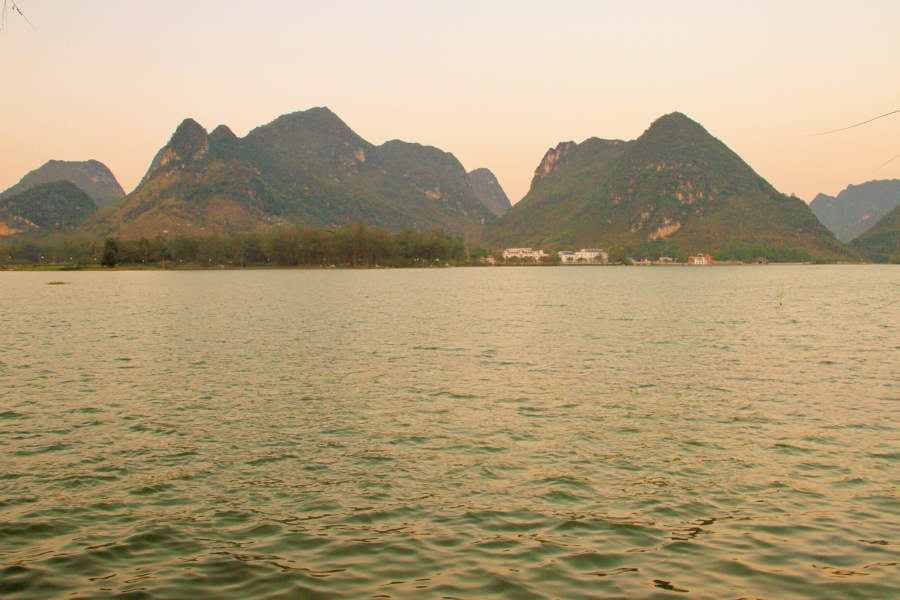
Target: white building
523 254
700 259
585 255
592 255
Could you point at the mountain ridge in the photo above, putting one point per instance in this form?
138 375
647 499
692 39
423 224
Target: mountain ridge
675 189
857 207
92 176
881 242
488 190
306 167
55 205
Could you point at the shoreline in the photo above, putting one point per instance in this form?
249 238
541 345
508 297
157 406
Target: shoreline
69 268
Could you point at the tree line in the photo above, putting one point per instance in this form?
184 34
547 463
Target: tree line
354 245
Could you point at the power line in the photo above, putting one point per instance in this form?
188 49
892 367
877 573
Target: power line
887 162
852 126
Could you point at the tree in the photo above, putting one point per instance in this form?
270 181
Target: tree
110 253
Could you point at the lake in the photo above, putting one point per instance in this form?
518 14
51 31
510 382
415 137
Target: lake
521 433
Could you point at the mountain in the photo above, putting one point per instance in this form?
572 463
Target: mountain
488 190
188 143
676 189
568 177
307 168
857 208
55 205
881 242
90 175
186 192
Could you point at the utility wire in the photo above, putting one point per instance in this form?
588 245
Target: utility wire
852 126
888 162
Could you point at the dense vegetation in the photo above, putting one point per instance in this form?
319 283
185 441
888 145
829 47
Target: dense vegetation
748 252
551 213
56 205
91 176
286 246
307 168
881 243
676 182
297 246
745 252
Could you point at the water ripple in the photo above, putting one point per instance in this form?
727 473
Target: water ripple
467 433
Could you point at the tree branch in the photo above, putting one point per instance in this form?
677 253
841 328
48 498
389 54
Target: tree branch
15 7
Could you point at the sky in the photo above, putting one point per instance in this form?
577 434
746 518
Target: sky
496 83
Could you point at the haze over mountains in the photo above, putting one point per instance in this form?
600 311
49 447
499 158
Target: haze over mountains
488 190
676 187
857 208
91 176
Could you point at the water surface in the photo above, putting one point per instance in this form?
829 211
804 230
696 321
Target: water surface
596 432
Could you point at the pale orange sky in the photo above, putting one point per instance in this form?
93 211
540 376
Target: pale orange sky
496 83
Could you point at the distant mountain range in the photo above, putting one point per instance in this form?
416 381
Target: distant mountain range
857 208
91 176
50 206
488 190
307 168
675 189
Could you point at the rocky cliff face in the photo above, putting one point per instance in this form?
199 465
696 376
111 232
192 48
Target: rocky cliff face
552 159
92 176
190 142
13 224
487 189
857 208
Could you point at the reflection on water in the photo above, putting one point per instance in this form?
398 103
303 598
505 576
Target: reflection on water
453 433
